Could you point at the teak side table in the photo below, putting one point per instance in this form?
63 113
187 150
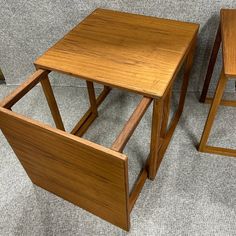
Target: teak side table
136 53
227 35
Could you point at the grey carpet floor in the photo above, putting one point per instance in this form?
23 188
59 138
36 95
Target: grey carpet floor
193 194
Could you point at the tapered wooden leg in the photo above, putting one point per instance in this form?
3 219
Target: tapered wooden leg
214 106
47 89
211 65
92 97
155 137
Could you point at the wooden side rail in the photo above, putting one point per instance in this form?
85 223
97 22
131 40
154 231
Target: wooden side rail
223 102
48 92
122 140
24 88
137 188
84 123
130 126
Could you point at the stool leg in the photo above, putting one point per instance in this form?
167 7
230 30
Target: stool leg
211 65
155 137
47 89
213 110
92 97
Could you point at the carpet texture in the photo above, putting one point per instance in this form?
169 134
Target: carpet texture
193 193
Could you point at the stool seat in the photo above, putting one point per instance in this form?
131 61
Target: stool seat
228 31
138 53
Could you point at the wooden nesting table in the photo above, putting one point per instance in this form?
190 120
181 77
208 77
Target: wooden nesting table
227 35
136 53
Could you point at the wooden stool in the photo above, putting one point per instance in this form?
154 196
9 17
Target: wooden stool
135 53
227 34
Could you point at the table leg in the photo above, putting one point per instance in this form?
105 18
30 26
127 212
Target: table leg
47 89
92 96
211 65
213 110
166 112
155 137
160 138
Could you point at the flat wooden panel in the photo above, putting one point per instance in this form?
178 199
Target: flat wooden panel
129 51
86 174
228 30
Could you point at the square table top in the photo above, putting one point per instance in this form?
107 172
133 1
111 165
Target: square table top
228 33
138 53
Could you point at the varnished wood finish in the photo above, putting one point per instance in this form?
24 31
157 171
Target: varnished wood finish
228 32
223 102
23 89
86 174
228 36
128 51
155 137
219 151
137 188
166 112
131 125
47 89
214 107
92 96
212 62
84 123
159 138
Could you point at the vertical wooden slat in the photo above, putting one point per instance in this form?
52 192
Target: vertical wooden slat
212 62
213 110
92 96
155 137
166 112
47 89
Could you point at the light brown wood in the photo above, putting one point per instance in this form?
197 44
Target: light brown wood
23 89
166 112
47 89
128 51
213 110
131 124
222 102
92 96
137 188
84 123
155 137
211 66
219 151
123 50
159 147
86 174
228 32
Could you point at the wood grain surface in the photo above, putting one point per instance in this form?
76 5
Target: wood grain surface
228 32
134 52
86 174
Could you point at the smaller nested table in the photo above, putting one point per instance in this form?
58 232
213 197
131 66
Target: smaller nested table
135 53
227 35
